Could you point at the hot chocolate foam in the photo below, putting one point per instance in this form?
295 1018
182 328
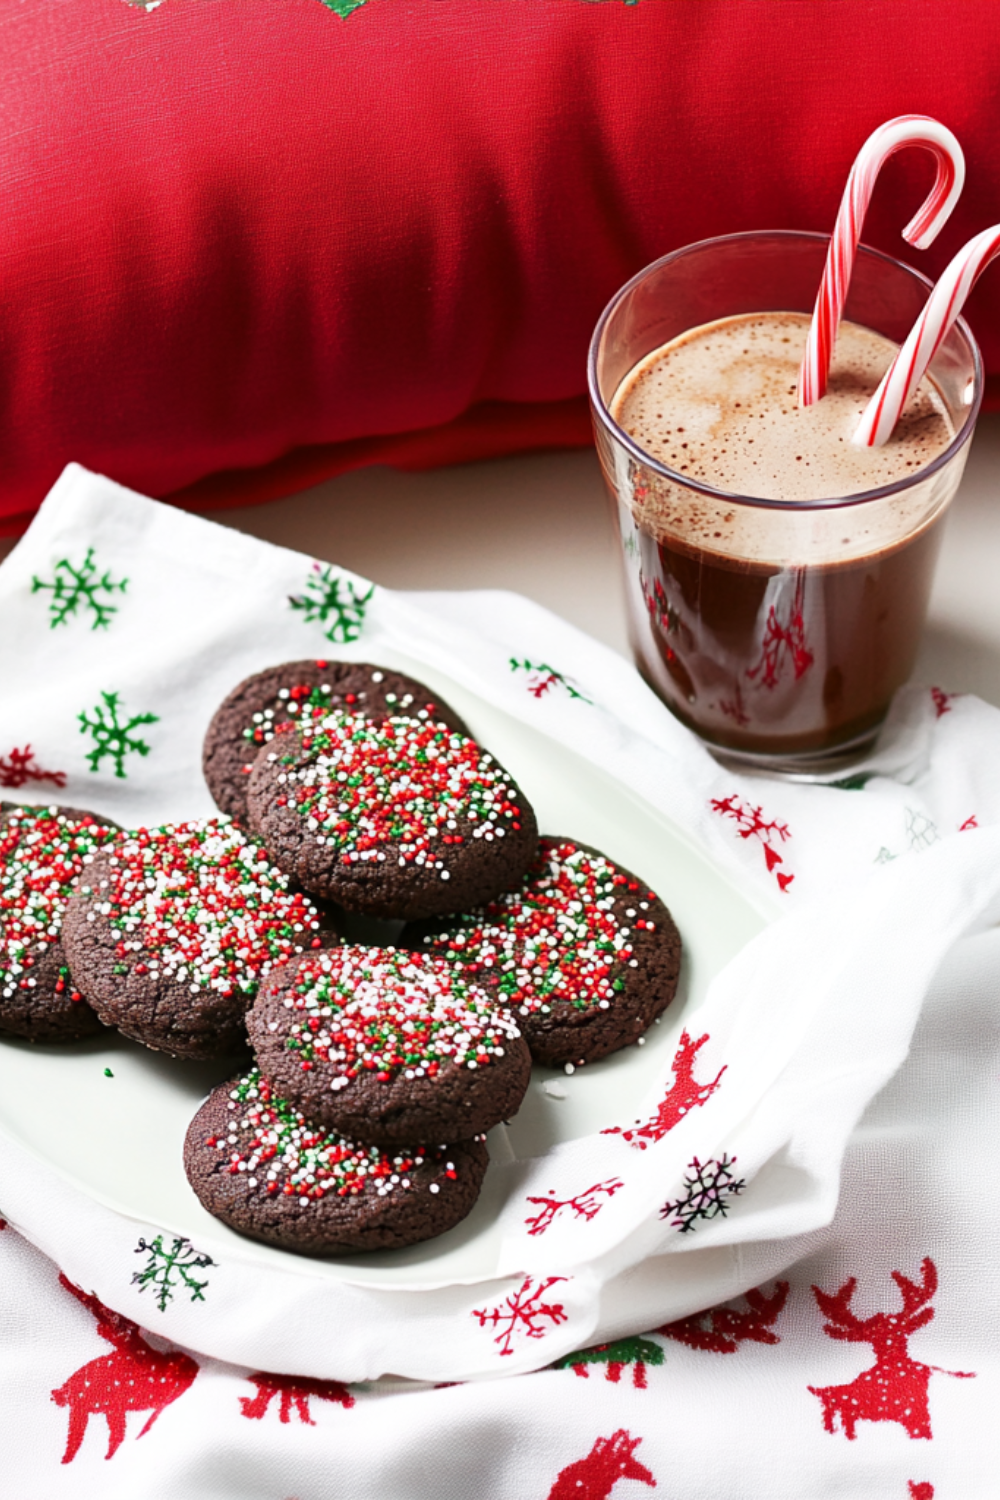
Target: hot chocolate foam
719 407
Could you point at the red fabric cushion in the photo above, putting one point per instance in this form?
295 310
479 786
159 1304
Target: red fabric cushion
246 236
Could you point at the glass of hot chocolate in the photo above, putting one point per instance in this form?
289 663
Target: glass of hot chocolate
777 576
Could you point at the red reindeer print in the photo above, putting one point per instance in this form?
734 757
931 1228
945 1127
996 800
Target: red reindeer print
941 701
135 1377
920 1489
751 824
726 1328
684 1094
523 1312
20 767
610 1460
585 1205
894 1388
293 1392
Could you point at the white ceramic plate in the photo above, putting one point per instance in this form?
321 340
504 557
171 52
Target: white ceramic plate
119 1137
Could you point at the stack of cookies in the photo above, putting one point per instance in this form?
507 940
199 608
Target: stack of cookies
379 1069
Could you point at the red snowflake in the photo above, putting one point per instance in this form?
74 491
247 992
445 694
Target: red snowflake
523 1312
920 1489
293 1392
19 768
942 701
751 824
585 1205
894 1388
723 1329
784 640
684 1094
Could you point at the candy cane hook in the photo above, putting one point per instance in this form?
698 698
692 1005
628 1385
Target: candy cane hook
893 136
942 307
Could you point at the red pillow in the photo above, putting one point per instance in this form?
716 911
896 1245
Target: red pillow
291 237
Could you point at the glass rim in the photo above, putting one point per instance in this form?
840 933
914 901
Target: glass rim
731 497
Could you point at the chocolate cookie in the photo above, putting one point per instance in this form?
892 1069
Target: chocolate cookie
42 852
395 818
584 953
267 1171
389 1047
170 931
292 693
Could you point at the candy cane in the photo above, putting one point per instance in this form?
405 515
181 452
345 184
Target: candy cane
894 135
930 330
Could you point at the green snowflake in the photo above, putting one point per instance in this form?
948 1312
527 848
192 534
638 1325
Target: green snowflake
111 737
73 586
167 1270
331 596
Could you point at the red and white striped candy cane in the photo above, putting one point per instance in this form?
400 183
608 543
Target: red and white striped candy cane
893 136
943 306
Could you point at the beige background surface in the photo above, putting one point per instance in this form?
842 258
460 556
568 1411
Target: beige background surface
541 525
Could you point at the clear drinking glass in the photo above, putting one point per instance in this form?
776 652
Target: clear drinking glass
777 630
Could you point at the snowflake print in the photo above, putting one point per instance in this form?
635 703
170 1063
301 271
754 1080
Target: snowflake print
585 1205
112 738
525 1312
20 767
708 1188
751 824
73 587
168 1271
942 701
329 596
544 678
921 832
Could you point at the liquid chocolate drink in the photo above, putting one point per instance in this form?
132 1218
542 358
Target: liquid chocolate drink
770 628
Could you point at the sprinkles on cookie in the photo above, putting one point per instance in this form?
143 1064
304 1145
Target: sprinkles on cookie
575 940
43 851
291 694
200 903
380 814
399 782
389 1046
171 932
283 1152
271 1172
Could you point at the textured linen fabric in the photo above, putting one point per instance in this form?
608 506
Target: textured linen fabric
805 1384
293 238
